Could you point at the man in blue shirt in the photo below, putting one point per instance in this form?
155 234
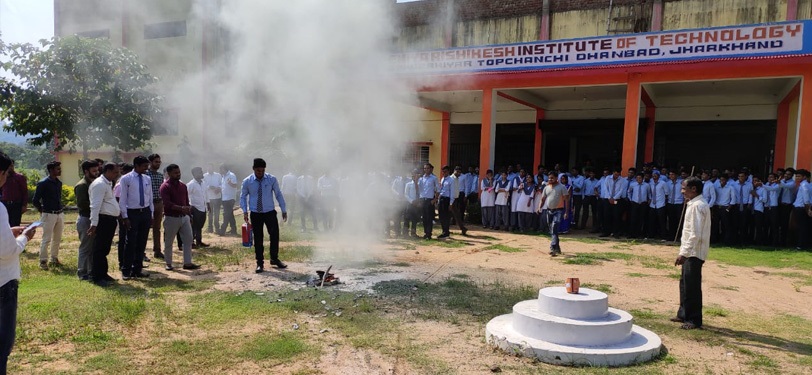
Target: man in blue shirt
577 182
590 200
447 197
256 201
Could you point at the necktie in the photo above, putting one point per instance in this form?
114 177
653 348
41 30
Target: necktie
637 194
741 197
140 191
259 197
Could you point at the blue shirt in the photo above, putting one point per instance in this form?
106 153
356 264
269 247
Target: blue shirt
674 192
613 189
639 193
709 193
742 193
590 184
658 194
802 195
787 193
473 184
270 188
577 184
725 196
428 186
447 188
773 190
758 203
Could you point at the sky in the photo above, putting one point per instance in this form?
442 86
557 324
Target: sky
26 20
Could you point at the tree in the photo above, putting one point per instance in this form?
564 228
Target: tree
79 92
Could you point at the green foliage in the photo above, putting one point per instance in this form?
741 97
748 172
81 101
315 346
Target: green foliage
68 197
27 155
79 92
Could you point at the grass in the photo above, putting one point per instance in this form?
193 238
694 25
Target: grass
762 257
504 248
637 274
447 243
606 288
596 258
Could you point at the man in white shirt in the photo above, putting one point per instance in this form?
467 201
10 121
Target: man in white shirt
104 213
12 244
229 189
305 195
414 205
692 253
328 199
289 182
214 194
199 201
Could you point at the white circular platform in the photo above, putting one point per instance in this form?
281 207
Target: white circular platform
642 346
586 304
573 329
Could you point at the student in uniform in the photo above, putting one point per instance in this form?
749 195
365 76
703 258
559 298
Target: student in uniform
744 209
306 199
800 209
659 192
603 203
447 197
514 199
502 189
458 208
773 188
725 200
786 198
589 200
759 197
487 200
413 207
709 193
525 208
673 208
428 188
577 181
639 199
613 187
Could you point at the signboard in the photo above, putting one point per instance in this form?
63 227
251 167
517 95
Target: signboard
680 45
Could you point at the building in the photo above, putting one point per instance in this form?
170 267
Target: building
614 83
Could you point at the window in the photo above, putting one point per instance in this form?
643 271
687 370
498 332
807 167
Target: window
165 30
95 34
166 123
415 156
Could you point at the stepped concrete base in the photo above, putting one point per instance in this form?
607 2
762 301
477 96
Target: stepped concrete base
643 345
612 327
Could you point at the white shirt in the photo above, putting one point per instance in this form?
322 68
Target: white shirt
305 186
487 198
328 186
10 249
696 232
102 200
197 194
129 193
410 192
289 184
229 192
214 182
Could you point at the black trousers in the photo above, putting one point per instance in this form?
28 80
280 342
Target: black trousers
428 215
198 221
637 216
744 220
15 212
105 232
714 237
784 211
690 291
577 203
261 221
726 228
228 217
612 218
589 203
458 210
411 217
444 210
801 226
603 215
759 227
673 213
656 223
8 321
137 235
771 217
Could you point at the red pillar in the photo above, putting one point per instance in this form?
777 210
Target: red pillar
544 32
792 10
657 15
782 128
537 151
651 114
445 142
488 133
804 155
631 125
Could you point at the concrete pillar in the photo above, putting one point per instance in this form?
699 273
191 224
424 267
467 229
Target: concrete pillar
445 139
803 158
651 114
487 143
631 124
782 128
537 145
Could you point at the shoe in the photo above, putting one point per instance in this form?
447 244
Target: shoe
260 269
84 278
158 255
126 277
203 245
232 233
689 325
140 275
101 283
55 263
146 259
553 253
43 265
427 237
194 246
444 235
192 266
677 320
107 277
169 267
278 263
464 231
209 230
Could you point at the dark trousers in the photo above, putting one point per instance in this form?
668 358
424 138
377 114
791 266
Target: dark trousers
198 221
759 228
714 237
228 217
726 230
577 203
801 226
15 212
8 321
444 210
122 246
784 211
105 231
603 215
612 218
428 215
136 241
458 210
261 221
411 217
656 223
587 204
743 224
771 217
690 291
673 212
308 208
637 216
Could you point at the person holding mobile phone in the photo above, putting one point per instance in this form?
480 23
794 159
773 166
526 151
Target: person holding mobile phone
12 244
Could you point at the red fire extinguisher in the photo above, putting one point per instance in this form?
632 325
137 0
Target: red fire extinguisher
247 235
